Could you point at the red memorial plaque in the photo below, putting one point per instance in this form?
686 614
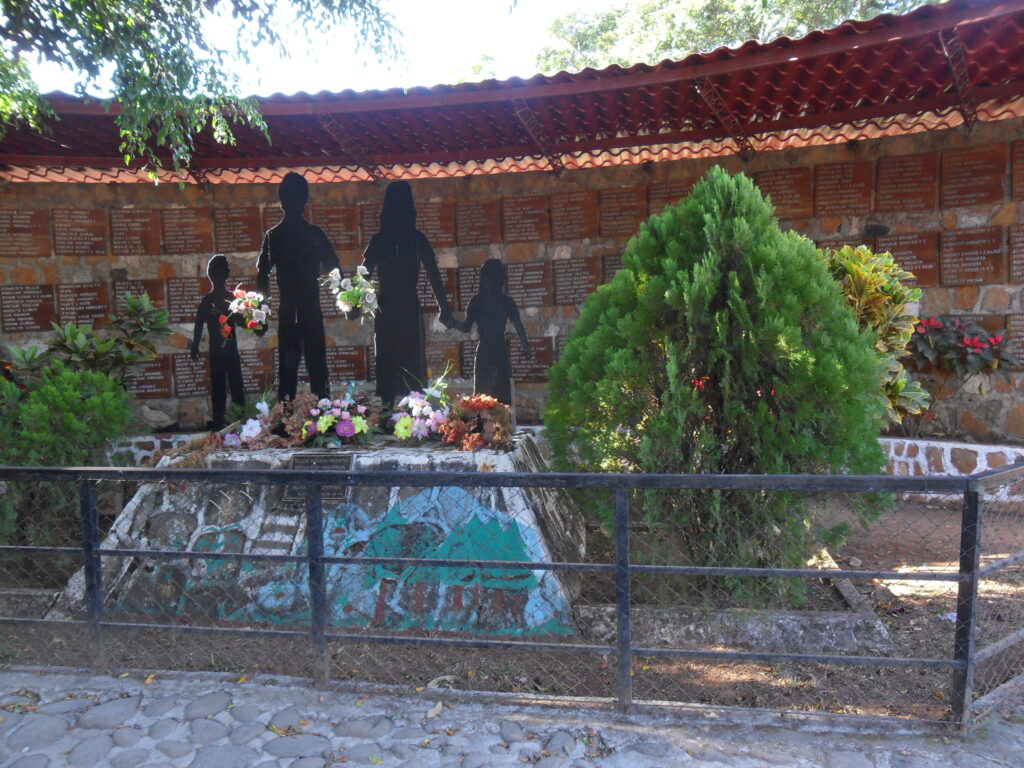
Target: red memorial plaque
187 230
449 277
916 252
436 220
271 216
526 219
24 233
26 308
467 358
576 279
469 284
907 183
191 377
789 190
346 363
610 264
843 189
237 230
529 285
83 303
535 370
574 215
668 193
151 379
1015 332
972 256
621 211
441 357
369 221
259 370
183 296
152 288
478 222
1017 170
79 232
340 223
328 303
135 231
1017 254
973 176
371 363
854 241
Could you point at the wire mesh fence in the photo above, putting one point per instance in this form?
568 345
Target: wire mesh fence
855 595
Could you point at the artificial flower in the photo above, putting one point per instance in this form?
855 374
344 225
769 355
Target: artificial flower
403 427
345 428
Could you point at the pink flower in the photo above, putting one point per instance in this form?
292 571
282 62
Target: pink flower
345 429
360 409
419 428
345 415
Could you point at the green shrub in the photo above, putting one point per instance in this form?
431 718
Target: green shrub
874 287
723 346
66 418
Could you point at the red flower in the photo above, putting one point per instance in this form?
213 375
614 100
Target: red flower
997 339
223 319
252 324
225 331
973 344
931 322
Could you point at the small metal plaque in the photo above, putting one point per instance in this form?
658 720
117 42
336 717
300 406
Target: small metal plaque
338 461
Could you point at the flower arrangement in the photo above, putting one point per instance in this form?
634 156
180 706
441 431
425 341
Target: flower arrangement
355 293
252 309
419 415
333 422
478 421
958 346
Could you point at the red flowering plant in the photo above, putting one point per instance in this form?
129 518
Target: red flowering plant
958 346
478 421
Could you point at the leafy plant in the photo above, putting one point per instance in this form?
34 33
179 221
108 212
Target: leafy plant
65 418
960 347
874 286
80 348
723 346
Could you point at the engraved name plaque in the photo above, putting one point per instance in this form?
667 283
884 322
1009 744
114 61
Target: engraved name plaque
183 295
535 370
346 363
259 369
26 308
789 190
24 233
621 211
440 357
1017 253
237 230
187 230
135 232
79 232
153 288
369 221
526 219
1017 169
576 279
83 303
334 461
151 378
426 292
972 256
191 377
529 285
469 284
668 193
340 223
908 183
436 220
478 222
916 252
843 189
973 176
467 358
574 215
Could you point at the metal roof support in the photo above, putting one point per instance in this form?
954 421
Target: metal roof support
713 98
956 56
350 147
540 137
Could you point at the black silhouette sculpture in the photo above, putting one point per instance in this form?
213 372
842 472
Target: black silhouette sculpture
491 309
224 361
297 251
395 254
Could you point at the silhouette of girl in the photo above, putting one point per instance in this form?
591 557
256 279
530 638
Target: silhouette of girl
491 309
395 254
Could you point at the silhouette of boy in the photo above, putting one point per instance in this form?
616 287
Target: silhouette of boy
491 309
297 251
225 364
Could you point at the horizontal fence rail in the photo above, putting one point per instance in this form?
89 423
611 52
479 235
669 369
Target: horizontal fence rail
966 571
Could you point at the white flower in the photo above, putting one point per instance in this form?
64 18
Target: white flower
432 392
251 430
344 306
335 274
259 316
263 408
323 403
253 295
362 271
265 308
346 284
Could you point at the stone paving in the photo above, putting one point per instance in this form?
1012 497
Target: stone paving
57 718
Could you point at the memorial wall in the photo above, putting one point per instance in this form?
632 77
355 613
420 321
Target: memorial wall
948 205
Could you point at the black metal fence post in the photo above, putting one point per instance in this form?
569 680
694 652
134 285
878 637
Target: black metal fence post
317 582
624 636
967 607
93 572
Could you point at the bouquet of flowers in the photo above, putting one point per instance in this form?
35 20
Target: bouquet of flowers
478 421
419 415
333 422
251 307
353 293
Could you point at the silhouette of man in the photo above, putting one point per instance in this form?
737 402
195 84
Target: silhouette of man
225 363
297 251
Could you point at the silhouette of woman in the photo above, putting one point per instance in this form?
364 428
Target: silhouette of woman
395 254
491 309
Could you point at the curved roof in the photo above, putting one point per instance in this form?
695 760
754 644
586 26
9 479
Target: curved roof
934 67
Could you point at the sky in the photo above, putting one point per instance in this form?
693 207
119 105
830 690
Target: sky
441 41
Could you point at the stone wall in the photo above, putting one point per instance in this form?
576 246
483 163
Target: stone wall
950 205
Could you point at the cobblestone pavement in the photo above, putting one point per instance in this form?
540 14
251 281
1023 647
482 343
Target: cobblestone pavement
65 718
